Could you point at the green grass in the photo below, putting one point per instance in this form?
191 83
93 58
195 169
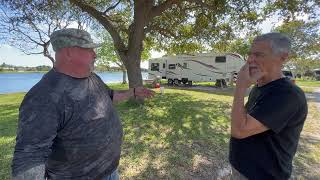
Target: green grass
308 86
311 83
307 159
178 135
173 133
307 89
118 86
9 105
204 83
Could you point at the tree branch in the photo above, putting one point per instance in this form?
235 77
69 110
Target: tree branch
27 36
201 4
31 53
33 26
112 7
106 23
157 10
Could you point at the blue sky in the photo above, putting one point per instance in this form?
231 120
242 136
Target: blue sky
14 56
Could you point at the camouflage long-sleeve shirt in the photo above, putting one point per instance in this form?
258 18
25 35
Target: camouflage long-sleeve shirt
71 126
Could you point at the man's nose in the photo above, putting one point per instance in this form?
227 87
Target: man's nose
94 55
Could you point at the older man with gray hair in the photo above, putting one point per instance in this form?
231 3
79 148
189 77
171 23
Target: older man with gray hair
265 131
68 127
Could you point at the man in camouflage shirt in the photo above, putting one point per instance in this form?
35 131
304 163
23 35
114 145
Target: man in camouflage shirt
68 127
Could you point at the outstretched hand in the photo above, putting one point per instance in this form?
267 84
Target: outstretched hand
143 92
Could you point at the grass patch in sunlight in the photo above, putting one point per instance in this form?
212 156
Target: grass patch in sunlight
311 83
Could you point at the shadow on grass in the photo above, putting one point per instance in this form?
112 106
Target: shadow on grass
207 89
8 119
176 137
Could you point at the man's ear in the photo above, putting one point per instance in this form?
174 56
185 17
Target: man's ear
284 57
68 54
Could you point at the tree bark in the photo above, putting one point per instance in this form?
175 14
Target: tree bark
46 52
132 64
124 76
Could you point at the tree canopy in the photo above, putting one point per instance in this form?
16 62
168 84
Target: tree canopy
171 25
177 26
305 38
27 25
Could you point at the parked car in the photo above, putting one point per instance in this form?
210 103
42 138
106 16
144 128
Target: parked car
289 74
316 73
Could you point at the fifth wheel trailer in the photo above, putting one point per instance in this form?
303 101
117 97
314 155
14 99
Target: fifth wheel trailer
205 67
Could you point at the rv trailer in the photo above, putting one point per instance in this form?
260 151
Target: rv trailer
205 67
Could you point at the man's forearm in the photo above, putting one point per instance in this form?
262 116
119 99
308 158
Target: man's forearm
238 113
35 173
122 95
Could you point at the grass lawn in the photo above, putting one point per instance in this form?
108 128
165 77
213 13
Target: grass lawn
307 89
9 105
309 83
182 134
308 86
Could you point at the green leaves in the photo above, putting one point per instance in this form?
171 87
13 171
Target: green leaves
305 38
290 10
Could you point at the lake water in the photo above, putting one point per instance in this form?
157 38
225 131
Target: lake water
22 82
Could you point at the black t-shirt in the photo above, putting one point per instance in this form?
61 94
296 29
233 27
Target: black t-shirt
282 107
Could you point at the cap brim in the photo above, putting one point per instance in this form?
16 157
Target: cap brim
91 45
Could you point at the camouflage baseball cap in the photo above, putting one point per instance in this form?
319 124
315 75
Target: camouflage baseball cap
71 38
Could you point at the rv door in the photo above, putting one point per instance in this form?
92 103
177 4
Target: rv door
220 62
154 69
164 69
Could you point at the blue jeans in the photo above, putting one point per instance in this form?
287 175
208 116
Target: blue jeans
113 176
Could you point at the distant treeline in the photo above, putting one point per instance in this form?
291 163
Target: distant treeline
8 67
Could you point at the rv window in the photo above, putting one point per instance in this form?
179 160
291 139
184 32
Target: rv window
172 66
155 67
185 65
164 65
220 59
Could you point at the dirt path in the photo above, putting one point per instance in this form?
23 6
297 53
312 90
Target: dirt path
315 97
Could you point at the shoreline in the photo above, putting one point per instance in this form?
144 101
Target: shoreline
25 72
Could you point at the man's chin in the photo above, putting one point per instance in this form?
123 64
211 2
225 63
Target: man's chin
257 75
92 69
254 73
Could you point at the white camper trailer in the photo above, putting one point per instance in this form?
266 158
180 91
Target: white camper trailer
206 67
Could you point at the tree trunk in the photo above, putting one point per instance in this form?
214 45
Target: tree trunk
132 64
130 54
46 52
124 76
